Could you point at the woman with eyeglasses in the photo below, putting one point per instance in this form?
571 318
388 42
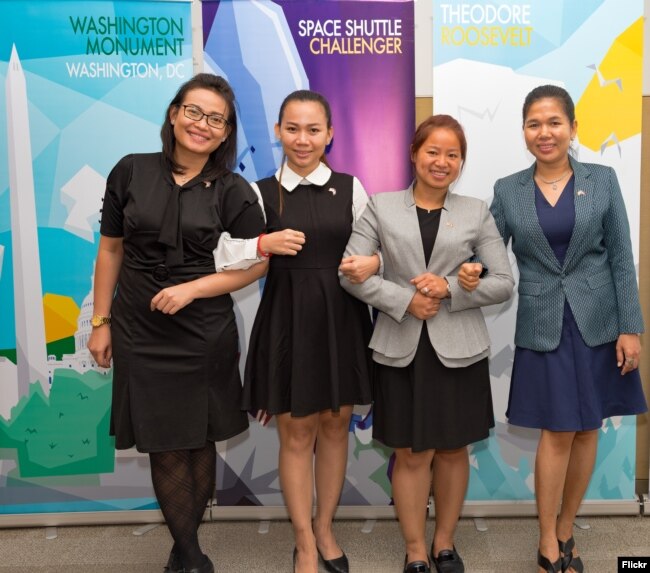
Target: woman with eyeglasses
164 316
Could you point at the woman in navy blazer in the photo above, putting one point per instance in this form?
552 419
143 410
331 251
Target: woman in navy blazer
578 319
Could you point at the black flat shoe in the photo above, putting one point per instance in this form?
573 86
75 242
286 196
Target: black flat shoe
448 561
416 566
207 567
338 565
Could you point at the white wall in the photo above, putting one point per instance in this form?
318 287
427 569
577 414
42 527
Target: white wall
424 48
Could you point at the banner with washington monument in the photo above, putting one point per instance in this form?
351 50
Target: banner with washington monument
84 83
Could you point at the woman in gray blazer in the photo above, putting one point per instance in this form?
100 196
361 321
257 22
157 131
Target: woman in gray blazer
578 319
430 343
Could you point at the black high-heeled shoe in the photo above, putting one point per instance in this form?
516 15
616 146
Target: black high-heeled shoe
207 567
174 564
548 566
568 560
338 565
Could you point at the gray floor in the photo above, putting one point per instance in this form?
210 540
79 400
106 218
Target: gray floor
509 544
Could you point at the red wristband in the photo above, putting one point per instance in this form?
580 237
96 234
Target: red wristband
259 247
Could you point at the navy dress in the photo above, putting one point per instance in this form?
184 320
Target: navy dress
575 386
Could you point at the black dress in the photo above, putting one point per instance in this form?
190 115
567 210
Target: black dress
176 381
308 350
427 405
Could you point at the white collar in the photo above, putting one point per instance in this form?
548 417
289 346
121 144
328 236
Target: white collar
291 180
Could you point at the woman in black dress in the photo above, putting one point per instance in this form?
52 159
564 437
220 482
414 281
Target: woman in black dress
308 362
161 312
432 382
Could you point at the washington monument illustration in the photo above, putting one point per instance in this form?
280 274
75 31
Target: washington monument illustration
31 350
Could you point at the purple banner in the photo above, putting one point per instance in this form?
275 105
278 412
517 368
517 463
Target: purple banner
359 54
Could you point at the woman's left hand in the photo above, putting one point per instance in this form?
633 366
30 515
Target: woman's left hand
431 285
358 268
628 352
468 276
172 299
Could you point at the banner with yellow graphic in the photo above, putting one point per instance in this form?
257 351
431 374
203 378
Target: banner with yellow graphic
487 56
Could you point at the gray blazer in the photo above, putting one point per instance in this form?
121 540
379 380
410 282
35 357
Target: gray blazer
598 277
457 332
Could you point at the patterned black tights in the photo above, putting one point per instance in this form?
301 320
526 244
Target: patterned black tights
184 481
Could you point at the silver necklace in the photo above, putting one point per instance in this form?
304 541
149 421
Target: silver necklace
554 182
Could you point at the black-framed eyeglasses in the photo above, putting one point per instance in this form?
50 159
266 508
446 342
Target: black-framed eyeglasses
213 120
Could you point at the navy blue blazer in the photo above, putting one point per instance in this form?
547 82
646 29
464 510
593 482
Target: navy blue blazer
598 278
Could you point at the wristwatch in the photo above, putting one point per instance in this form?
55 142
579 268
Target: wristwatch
98 320
448 287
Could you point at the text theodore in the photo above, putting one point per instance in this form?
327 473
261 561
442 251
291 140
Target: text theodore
486 25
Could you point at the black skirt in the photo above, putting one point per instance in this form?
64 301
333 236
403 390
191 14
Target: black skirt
427 405
308 350
176 381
